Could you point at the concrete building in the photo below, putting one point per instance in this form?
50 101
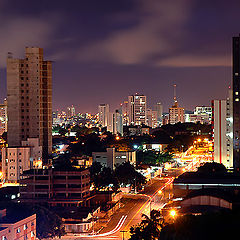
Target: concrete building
222 133
176 114
199 110
29 98
21 229
3 117
137 109
159 109
71 111
236 101
17 159
152 118
125 113
111 157
118 122
194 118
103 110
55 187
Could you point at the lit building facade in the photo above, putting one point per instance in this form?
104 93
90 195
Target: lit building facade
71 111
3 117
159 109
236 101
103 110
29 99
137 108
222 132
21 229
111 157
176 114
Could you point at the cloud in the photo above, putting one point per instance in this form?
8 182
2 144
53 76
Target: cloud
19 32
196 61
158 26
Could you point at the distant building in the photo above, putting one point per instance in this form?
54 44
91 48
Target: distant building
194 118
159 109
136 130
15 227
152 118
103 110
3 117
176 113
222 134
55 187
125 113
29 99
71 112
137 109
111 157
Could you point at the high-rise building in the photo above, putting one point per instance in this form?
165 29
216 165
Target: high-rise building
103 110
159 109
176 113
115 122
221 133
137 108
152 118
71 111
125 113
29 99
3 117
236 101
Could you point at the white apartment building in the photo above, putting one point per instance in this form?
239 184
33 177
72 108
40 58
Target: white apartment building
103 110
222 132
111 157
17 159
137 109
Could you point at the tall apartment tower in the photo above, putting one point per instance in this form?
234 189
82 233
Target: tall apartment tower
71 111
29 98
103 110
236 102
222 132
159 110
137 108
176 113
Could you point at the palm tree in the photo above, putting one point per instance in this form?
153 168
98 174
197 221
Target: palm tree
149 228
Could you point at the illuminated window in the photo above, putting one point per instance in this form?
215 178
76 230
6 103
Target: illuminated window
236 93
237 99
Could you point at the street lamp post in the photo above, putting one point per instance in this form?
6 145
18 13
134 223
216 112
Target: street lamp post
123 231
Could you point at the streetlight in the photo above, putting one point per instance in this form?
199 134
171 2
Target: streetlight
173 213
123 231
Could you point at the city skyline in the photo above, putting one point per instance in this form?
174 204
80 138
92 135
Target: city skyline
99 46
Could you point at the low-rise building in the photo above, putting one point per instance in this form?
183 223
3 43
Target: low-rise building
12 228
17 159
111 157
55 187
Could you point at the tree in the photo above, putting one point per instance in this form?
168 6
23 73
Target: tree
102 177
164 157
212 168
127 174
149 228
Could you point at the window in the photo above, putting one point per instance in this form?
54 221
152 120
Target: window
18 230
32 233
25 227
32 223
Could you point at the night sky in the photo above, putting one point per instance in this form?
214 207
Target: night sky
105 50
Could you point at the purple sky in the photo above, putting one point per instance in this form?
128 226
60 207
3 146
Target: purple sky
105 50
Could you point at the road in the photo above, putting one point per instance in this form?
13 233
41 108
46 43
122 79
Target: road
131 213
137 204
